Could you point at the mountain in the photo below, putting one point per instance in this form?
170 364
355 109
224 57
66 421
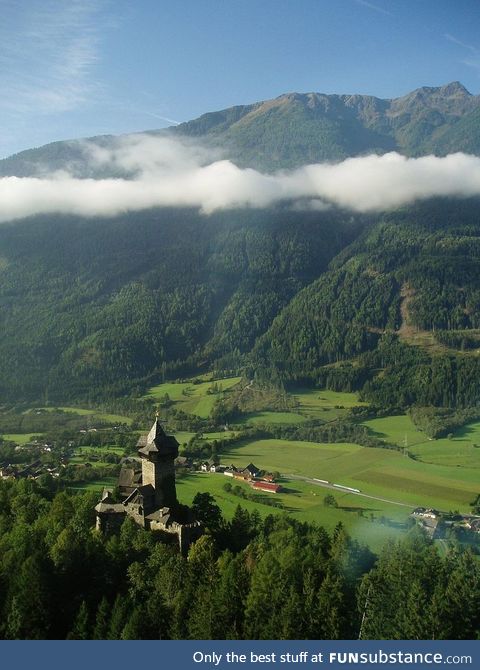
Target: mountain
388 304
295 129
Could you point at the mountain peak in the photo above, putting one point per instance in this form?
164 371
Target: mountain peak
454 88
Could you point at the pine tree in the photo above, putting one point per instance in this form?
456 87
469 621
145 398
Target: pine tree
100 629
332 607
80 630
119 618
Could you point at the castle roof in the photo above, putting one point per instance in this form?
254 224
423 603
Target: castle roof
158 442
140 494
130 476
109 508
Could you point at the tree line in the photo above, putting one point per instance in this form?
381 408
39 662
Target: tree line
247 578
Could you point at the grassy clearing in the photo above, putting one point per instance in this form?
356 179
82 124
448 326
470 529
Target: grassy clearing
114 418
398 429
97 485
220 435
455 452
88 451
74 410
184 436
193 398
304 502
94 455
378 472
272 417
458 451
20 438
311 404
326 405
94 414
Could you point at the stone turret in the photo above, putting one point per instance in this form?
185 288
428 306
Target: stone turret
158 469
152 503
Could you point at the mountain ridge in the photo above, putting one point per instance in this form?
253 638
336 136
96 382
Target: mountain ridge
298 128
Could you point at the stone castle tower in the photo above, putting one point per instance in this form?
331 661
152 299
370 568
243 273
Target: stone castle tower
158 468
151 499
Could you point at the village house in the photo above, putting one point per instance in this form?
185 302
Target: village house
218 468
424 513
250 472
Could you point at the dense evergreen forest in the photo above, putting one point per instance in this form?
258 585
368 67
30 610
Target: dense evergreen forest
91 308
388 304
250 578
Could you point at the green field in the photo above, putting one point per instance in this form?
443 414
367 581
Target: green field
98 451
94 414
305 503
184 436
258 418
97 485
397 429
84 455
323 404
193 398
379 472
310 404
220 435
20 438
456 452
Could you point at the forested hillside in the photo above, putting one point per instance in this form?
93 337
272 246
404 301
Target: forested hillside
385 303
92 308
391 303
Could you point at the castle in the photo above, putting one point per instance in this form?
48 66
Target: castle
152 498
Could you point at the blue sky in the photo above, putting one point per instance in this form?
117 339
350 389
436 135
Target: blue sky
88 67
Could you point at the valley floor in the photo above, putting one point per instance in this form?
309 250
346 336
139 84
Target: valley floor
388 483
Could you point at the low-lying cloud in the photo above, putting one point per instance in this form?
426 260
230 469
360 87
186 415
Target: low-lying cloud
160 172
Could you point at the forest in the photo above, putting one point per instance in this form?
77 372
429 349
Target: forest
386 304
248 578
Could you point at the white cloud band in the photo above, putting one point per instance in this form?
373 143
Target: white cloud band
166 172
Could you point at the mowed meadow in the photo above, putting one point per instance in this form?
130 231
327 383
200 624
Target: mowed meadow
378 472
442 473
